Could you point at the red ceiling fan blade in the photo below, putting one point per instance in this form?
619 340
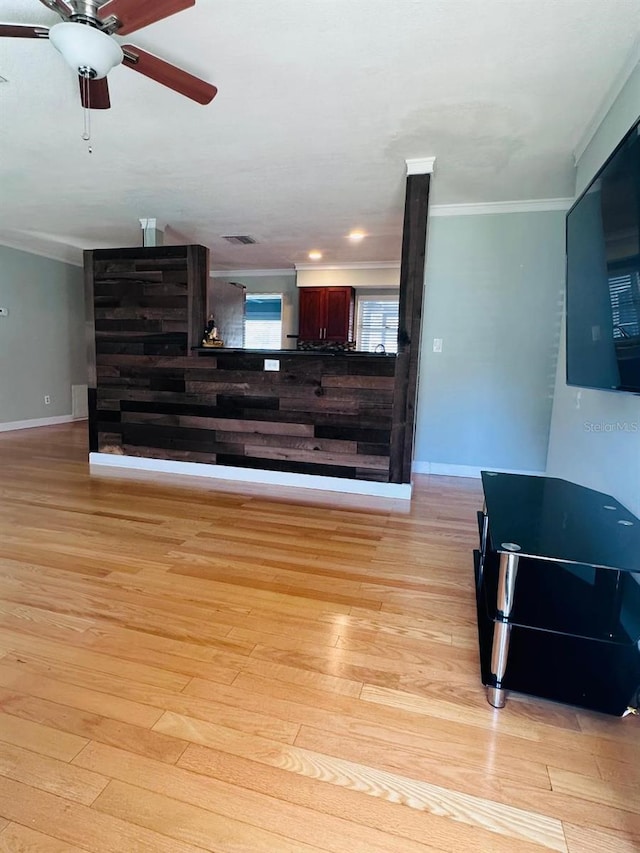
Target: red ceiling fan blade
94 94
23 31
168 75
135 14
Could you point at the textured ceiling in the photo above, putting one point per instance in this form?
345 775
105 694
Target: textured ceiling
319 104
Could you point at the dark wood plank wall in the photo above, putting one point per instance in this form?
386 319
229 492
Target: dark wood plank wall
414 240
321 413
140 303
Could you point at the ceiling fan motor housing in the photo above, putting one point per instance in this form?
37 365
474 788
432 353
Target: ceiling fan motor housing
87 50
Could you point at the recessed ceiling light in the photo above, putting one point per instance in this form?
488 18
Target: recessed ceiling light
315 256
356 236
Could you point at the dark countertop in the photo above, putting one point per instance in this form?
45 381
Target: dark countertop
286 353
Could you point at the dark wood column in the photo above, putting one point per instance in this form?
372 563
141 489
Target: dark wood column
414 239
90 338
141 303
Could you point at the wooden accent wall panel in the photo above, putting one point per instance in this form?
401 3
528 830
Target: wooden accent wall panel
151 396
140 304
320 414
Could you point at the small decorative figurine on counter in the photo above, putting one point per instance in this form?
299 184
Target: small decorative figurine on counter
211 338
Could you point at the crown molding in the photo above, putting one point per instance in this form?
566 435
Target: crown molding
242 273
356 265
48 253
421 166
534 205
626 69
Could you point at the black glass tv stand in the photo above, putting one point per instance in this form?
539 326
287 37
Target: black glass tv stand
557 593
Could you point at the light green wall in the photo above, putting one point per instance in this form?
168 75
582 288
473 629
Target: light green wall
42 340
606 457
284 284
493 286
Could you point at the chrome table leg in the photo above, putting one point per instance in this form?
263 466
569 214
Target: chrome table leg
508 573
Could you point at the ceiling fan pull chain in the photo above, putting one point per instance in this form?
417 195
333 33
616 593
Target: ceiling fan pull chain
86 134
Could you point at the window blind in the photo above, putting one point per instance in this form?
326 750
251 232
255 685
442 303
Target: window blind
378 323
263 321
263 334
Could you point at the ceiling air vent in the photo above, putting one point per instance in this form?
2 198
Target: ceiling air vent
240 239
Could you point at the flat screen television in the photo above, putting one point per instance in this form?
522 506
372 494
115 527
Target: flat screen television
603 275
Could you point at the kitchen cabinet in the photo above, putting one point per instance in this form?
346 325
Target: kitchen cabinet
326 314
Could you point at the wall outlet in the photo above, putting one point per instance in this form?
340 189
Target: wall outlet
47 399
437 344
271 364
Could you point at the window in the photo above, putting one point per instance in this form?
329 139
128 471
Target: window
377 322
263 321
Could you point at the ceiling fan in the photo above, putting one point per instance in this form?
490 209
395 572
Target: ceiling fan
85 40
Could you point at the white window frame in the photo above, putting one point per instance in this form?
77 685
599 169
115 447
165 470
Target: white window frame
373 296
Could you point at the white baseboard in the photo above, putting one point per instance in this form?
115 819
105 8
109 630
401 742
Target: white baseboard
37 422
445 470
342 485
442 469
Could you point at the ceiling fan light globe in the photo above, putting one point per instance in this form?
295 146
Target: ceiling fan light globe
84 47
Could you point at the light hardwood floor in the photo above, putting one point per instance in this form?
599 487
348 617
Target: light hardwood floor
184 669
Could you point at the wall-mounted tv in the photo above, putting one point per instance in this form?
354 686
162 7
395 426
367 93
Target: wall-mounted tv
603 275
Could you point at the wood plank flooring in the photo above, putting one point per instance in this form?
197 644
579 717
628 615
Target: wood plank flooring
184 669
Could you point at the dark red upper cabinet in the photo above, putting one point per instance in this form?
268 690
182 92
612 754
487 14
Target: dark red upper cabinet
338 325
326 314
311 306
